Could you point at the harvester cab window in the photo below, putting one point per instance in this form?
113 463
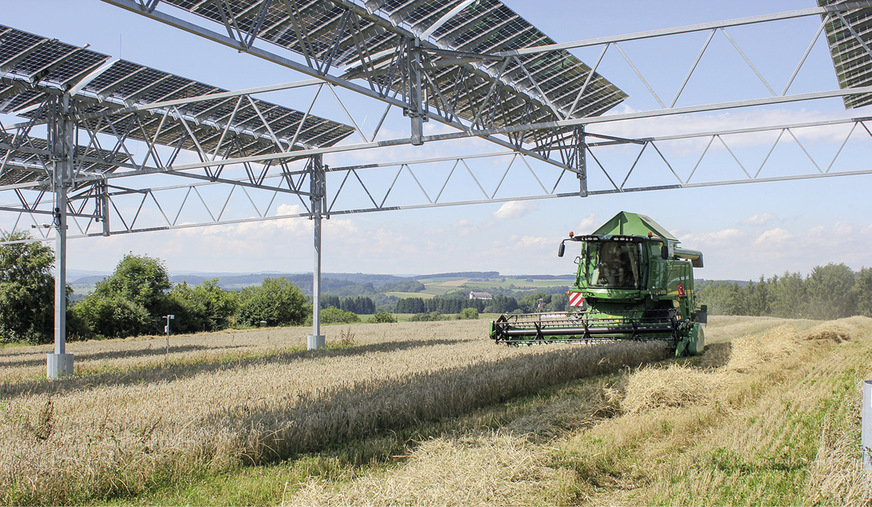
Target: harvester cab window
614 265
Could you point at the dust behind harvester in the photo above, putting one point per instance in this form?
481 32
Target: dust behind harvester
633 283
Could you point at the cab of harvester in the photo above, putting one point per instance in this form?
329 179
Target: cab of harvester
632 282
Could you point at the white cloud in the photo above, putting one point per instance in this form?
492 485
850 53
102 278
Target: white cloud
588 223
514 209
715 238
774 238
760 220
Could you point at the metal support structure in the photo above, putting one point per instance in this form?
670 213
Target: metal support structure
866 431
581 160
61 144
415 111
317 181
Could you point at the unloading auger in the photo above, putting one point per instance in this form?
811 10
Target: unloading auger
633 283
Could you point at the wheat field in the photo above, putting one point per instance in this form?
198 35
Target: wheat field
131 416
134 418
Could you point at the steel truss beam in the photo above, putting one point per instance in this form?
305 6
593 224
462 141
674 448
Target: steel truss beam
361 188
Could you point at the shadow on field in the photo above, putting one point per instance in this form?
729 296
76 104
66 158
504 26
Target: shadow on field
118 354
716 355
175 371
357 409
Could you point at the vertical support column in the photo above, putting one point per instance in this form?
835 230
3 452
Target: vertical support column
866 422
317 182
103 205
581 160
415 111
61 144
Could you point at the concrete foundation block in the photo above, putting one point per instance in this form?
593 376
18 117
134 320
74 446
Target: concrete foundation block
315 341
59 365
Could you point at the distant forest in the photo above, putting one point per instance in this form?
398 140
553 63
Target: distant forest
829 292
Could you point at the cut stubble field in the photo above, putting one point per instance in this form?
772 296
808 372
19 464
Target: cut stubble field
772 402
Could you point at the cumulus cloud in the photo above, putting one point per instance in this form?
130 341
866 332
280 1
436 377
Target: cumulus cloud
713 238
588 223
774 238
760 220
514 209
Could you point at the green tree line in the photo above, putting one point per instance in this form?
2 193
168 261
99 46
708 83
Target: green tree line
499 304
829 292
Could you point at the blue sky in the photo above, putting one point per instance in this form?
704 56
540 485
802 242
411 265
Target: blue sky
744 230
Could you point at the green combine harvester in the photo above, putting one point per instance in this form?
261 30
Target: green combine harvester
633 283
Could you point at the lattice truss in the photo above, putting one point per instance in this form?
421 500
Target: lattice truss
477 67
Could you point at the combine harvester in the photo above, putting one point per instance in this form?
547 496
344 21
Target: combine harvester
633 283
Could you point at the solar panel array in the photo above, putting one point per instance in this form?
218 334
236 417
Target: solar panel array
852 61
325 31
33 67
24 161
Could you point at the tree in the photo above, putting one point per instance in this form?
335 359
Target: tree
333 315
788 296
277 302
863 292
112 316
130 302
382 317
469 314
26 290
831 292
205 307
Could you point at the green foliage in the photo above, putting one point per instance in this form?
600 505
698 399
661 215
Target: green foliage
863 292
205 307
334 315
26 291
829 292
277 302
382 317
409 286
130 302
112 316
456 303
428 317
139 279
469 314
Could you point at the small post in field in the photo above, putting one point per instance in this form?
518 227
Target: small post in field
167 329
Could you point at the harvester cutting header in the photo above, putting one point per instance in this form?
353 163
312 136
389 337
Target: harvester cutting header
633 283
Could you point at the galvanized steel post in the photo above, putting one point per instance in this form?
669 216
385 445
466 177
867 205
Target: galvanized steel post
866 432
61 144
317 185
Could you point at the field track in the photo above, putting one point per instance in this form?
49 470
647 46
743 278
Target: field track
133 418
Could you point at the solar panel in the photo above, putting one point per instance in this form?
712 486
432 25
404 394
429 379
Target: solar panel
23 161
32 67
325 30
852 61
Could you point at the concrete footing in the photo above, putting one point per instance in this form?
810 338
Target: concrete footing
315 341
59 365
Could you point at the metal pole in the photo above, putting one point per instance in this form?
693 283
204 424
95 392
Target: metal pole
167 329
60 363
866 432
415 111
581 160
317 183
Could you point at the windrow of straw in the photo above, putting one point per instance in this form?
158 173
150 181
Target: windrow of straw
775 424
101 439
683 386
487 469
